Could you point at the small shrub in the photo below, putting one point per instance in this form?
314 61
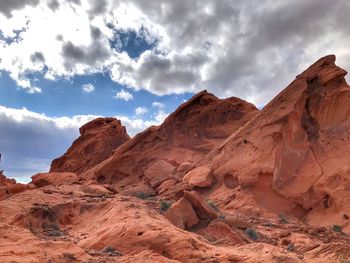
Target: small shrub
164 205
337 228
142 195
108 249
251 233
283 218
291 247
212 205
111 251
70 256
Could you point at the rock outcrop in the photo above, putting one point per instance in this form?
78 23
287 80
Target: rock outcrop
218 181
185 137
10 187
293 156
98 139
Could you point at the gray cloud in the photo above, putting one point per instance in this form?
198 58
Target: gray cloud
28 146
250 49
53 5
7 6
90 55
37 57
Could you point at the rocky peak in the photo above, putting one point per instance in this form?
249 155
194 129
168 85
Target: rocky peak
98 139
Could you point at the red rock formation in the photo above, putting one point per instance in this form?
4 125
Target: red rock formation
9 187
186 136
243 197
44 179
98 139
293 156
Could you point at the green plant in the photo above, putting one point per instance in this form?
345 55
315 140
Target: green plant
251 233
337 228
142 195
164 205
212 204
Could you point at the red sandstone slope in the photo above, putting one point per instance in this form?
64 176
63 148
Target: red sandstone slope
186 136
289 159
293 157
98 139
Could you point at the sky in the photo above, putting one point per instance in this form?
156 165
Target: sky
65 62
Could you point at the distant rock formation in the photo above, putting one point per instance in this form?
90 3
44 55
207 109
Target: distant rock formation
98 139
9 187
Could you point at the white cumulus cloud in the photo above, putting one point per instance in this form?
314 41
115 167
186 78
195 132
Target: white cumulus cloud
124 95
88 88
141 110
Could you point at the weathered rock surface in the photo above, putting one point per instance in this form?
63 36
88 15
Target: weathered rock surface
98 139
293 156
10 187
200 177
182 214
275 190
187 135
44 179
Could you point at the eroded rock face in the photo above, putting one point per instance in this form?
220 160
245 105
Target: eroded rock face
44 179
10 187
98 139
186 136
295 152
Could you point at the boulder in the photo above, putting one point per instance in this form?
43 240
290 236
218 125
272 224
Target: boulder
200 177
44 179
182 214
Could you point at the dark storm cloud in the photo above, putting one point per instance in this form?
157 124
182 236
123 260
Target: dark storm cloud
7 6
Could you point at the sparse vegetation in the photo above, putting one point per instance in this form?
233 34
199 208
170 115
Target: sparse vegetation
164 205
142 195
337 228
212 204
70 256
283 218
251 233
111 251
291 247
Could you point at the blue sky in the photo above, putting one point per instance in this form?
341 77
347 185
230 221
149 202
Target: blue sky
65 62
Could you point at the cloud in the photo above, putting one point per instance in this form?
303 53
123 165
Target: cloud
88 88
124 95
141 110
250 49
7 6
29 141
158 105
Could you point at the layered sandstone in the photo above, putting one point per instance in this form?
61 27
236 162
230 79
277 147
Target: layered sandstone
98 139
